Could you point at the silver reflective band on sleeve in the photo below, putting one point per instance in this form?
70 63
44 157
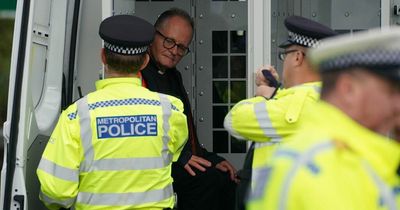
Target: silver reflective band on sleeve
228 123
229 127
64 203
86 133
166 107
298 162
261 112
58 171
384 191
122 199
267 144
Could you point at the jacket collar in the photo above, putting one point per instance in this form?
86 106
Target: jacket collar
381 153
313 86
133 81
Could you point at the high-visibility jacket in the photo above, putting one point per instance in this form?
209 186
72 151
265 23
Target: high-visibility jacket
331 163
266 122
113 149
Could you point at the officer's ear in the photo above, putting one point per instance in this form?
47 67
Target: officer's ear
145 61
300 55
103 56
349 88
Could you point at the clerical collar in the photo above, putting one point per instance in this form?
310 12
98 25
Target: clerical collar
161 72
154 61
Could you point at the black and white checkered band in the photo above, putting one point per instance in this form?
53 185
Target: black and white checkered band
374 59
303 40
125 50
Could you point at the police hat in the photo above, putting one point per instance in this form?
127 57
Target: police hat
377 50
305 32
126 34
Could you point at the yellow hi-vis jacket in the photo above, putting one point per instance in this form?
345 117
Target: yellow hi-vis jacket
331 163
113 149
268 121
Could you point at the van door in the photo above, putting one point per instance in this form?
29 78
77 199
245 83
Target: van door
42 57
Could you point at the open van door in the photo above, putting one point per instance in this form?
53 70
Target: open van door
55 60
42 67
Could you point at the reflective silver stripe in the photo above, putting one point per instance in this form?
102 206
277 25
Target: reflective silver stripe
86 133
228 122
267 144
261 112
228 126
65 203
58 171
317 89
259 178
166 107
121 199
261 175
128 164
299 162
384 191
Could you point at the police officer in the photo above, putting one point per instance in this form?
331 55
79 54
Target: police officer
275 114
113 148
339 159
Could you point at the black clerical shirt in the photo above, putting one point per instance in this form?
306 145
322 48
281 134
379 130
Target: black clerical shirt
170 82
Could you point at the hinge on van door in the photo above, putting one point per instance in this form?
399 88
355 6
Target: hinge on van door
20 199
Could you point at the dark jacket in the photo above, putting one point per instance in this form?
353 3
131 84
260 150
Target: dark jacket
171 83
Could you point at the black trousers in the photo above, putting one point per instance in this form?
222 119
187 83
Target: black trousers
209 190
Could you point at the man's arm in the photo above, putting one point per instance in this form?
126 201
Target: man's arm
221 164
58 169
269 120
189 161
212 157
257 119
178 129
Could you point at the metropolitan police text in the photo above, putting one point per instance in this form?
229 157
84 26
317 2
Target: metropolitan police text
126 126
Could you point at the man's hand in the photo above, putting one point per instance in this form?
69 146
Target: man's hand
260 79
225 166
197 162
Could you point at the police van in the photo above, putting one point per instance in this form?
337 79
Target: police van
55 61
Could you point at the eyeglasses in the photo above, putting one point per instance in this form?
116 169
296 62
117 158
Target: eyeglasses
170 43
282 55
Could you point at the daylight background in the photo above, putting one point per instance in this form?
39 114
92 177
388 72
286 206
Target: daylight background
7 13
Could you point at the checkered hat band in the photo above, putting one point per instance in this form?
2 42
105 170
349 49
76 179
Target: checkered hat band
303 40
122 102
125 50
372 59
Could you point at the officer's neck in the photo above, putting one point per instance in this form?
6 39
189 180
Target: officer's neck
300 76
